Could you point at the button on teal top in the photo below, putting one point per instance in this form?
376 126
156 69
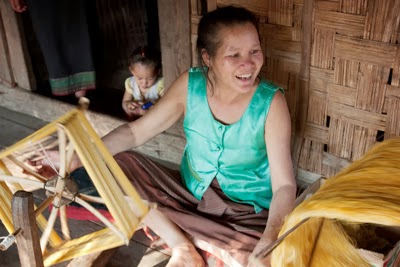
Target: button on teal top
235 154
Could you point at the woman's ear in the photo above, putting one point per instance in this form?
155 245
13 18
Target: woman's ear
206 57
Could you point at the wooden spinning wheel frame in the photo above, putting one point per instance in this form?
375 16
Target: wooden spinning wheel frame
71 134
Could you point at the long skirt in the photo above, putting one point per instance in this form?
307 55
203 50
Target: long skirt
215 219
62 31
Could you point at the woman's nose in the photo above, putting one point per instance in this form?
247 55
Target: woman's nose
245 61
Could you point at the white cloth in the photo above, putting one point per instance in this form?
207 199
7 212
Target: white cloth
155 92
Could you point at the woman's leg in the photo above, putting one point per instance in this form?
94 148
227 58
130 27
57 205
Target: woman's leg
183 251
153 183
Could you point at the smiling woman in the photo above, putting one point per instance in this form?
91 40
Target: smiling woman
236 183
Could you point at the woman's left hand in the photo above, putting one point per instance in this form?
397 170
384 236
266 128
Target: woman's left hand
258 261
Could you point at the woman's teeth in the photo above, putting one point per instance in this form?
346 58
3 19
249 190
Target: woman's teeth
244 76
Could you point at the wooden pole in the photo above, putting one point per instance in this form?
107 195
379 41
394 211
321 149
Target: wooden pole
303 95
24 218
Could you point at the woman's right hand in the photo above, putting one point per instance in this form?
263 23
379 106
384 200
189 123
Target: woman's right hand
18 5
45 166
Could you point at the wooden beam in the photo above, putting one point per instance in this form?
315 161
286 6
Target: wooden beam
24 218
20 63
5 64
174 20
303 95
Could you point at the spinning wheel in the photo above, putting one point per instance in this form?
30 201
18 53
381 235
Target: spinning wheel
70 133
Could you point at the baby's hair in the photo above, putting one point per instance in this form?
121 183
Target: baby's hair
147 56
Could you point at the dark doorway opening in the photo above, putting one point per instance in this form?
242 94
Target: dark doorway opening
116 27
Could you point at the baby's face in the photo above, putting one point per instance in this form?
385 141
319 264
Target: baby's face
144 75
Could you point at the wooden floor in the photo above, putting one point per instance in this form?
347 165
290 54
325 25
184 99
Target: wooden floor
15 126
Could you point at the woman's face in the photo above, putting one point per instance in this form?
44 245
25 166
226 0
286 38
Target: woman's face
238 60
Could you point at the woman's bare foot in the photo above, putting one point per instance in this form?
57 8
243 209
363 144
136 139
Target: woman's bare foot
185 255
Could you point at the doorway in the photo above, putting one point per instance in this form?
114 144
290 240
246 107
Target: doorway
116 27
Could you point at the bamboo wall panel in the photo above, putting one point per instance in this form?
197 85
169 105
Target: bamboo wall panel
357 77
339 64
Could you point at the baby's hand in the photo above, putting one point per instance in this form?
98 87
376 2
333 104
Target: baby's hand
130 108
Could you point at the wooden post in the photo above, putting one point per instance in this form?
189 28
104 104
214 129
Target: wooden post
24 218
174 24
19 62
303 95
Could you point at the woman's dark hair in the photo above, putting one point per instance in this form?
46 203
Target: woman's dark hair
147 56
211 23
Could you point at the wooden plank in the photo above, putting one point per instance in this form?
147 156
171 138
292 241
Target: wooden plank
5 64
311 159
346 72
356 116
286 50
317 111
319 79
276 32
322 49
323 74
346 24
371 87
174 24
19 55
335 162
304 85
297 22
259 7
358 7
340 137
392 91
211 5
393 123
331 5
280 12
378 53
382 21
341 94
317 133
363 140
30 254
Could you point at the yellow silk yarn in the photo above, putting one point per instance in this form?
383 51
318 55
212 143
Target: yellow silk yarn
368 191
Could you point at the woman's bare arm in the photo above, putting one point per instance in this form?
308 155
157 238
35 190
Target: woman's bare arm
159 118
277 139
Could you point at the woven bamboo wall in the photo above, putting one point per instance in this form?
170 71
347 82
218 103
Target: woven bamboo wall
339 63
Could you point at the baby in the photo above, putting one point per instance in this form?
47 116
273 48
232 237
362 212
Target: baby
146 85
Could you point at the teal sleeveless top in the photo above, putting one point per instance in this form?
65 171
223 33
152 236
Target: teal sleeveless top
234 154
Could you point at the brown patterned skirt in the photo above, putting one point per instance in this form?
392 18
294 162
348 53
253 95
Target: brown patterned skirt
217 220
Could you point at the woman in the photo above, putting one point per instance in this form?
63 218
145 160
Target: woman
236 183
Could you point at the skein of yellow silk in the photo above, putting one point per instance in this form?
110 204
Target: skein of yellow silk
368 191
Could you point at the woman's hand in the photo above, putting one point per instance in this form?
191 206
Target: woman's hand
50 164
18 5
258 261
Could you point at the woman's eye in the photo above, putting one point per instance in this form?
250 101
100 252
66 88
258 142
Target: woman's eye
254 51
234 55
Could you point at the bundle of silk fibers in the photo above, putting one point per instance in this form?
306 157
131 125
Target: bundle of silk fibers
366 192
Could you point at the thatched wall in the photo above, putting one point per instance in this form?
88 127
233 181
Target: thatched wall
339 63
